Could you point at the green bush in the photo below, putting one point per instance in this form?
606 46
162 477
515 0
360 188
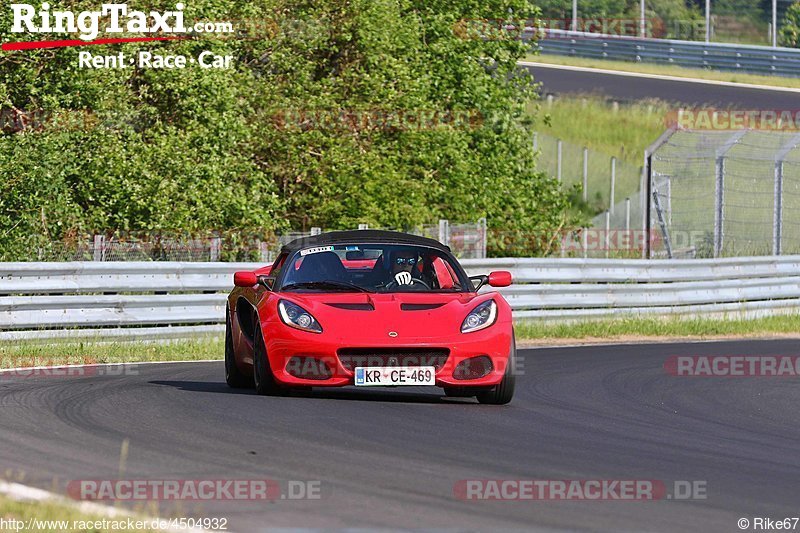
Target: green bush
316 125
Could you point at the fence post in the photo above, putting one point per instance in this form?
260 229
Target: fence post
263 252
99 248
644 195
558 159
535 141
216 245
613 184
444 231
777 224
607 239
585 242
627 214
484 234
585 174
719 202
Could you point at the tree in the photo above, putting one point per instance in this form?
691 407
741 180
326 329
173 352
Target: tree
389 112
789 34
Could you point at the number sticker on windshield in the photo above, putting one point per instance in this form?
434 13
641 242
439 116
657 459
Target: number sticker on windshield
318 249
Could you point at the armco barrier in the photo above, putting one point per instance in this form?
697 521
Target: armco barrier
154 300
694 54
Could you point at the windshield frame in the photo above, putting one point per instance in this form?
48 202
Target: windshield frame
466 284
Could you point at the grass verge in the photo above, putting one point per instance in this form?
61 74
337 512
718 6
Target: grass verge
667 70
54 516
619 329
68 353
624 131
657 328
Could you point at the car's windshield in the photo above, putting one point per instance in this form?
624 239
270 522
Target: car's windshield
372 268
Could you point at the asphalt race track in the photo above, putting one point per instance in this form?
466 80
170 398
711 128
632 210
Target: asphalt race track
391 458
633 88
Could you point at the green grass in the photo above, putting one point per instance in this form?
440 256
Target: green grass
64 353
56 511
668 70
658 327
593 122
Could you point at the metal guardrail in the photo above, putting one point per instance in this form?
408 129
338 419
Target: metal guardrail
124 301
721 56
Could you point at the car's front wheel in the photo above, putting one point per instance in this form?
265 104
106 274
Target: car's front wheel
262 373
233 376
504 391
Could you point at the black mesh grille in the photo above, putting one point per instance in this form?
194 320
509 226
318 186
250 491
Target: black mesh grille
354 357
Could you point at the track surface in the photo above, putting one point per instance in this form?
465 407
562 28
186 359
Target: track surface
390 459
631 88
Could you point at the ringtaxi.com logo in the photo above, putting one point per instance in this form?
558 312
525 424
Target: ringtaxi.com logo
577 489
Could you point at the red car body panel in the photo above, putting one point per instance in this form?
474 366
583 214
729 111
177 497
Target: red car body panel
344 328
384 321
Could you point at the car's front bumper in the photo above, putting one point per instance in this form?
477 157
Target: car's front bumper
284 343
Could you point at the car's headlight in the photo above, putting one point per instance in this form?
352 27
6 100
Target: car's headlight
481 317
295 316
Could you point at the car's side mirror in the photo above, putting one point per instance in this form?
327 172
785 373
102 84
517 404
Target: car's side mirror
245 279
500 278
251 279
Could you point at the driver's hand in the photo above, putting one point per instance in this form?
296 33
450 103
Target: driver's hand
403 278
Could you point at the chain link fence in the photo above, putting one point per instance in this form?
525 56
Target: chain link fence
468 241
607 185
726 193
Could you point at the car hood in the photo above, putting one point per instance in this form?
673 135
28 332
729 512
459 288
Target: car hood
413 317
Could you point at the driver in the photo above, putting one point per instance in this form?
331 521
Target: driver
403 263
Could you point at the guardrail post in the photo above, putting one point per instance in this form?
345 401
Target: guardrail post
99 248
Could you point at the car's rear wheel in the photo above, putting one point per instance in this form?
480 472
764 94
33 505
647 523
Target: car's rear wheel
233 376
262 373
504 391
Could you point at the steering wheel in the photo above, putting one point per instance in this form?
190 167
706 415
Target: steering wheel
414 281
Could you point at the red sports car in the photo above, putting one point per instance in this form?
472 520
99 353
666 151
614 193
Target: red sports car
370 309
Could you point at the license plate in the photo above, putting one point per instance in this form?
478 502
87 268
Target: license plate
377 376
